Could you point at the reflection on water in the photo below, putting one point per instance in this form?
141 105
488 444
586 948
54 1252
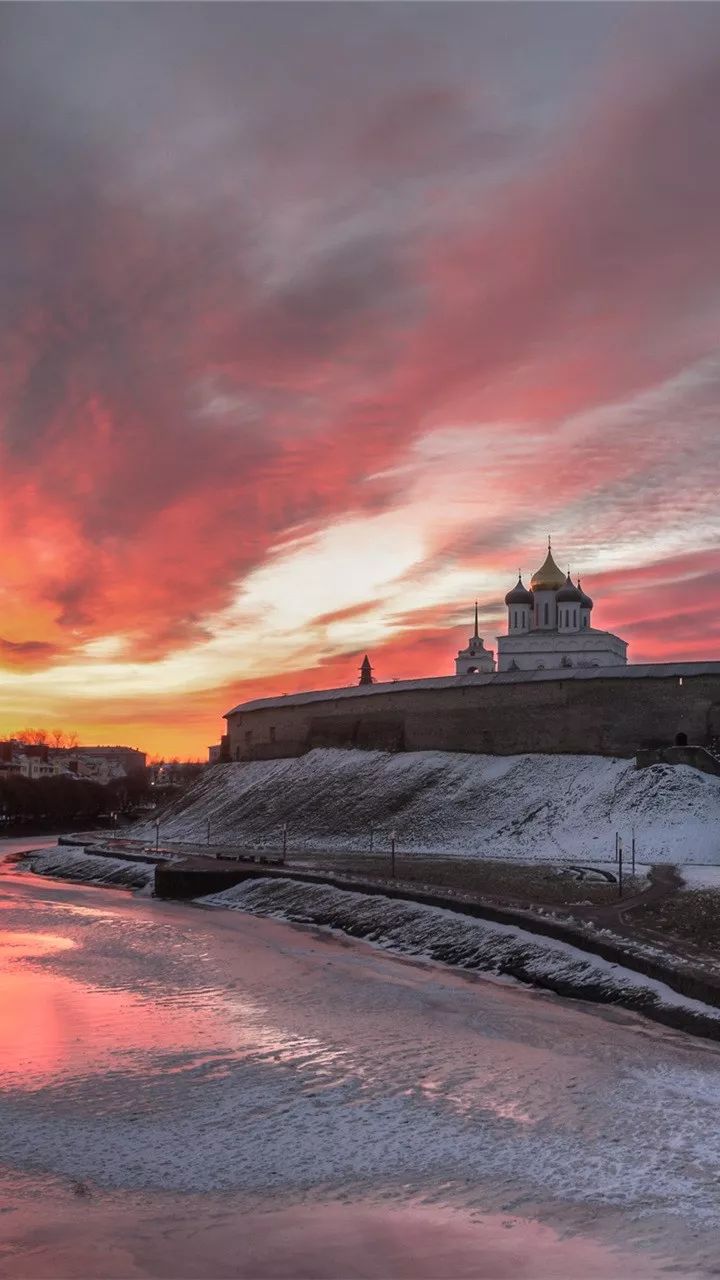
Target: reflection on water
16 946
83 1237
185 1093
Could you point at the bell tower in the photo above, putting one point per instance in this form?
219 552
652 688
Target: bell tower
476 659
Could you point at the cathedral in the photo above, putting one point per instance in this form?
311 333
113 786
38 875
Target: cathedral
549 625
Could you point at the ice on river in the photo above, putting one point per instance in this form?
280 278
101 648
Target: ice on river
187 1092
434 933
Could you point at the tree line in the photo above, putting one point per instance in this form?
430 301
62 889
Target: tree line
65 799
45 738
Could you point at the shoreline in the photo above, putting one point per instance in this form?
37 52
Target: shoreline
692 1003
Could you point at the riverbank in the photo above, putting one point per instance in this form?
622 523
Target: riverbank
259 1100
565 956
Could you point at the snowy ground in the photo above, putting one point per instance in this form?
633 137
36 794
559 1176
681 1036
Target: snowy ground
188 1092
700 877
68 862
532 806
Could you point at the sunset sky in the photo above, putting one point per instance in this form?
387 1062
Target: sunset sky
316 319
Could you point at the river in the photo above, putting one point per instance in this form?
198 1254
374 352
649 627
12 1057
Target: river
190 1092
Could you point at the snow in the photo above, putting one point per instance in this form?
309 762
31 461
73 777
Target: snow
436 934
701 877
70 862
532 807
199 1057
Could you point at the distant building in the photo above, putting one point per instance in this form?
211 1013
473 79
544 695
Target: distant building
99 764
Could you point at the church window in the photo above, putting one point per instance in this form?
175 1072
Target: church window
574 617
514 618
272 732
547 614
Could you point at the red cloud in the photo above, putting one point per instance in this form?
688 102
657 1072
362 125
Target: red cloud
211 346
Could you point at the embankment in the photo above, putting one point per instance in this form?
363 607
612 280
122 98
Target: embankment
68 862
431 933
530 807
473 937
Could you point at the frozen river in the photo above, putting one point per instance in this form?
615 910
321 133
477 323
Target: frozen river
195 1092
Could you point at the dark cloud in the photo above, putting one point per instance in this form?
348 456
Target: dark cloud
25 653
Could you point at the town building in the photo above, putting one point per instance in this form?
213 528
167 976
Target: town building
97 764
100 764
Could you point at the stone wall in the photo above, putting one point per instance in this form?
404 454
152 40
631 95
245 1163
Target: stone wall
698 757
602 715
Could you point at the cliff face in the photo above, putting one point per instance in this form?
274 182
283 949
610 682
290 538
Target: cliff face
529 806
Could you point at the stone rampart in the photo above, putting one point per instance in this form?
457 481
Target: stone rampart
603 713
697 757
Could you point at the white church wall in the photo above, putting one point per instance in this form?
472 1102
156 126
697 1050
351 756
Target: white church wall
545 650
545 618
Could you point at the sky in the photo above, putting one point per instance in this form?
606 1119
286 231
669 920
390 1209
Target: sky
315 320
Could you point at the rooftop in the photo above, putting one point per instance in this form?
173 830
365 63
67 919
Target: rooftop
649 671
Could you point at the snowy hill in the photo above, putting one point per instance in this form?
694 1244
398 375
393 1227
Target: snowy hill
531 806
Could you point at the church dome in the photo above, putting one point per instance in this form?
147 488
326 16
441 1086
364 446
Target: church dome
548 577
585 601
568 593
519 594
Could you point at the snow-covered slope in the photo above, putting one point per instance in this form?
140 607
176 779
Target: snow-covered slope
531 806
69 862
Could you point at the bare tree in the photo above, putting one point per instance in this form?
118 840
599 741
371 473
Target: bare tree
40 737
32 737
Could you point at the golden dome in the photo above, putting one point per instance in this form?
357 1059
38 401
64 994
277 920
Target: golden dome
548 577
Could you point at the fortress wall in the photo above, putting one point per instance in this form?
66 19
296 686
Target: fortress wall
602 715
